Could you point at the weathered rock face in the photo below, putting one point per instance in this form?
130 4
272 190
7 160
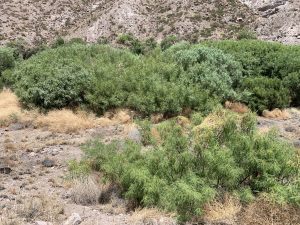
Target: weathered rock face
279 20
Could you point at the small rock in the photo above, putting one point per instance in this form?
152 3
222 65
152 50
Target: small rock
42 223
297 144
32 154
48 163
2 188
5 169
290 129
74 219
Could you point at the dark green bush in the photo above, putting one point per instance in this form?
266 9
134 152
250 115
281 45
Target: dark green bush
246 34
168 41
267 93
292 82
186 170
53 79
261 58
7 59
211 69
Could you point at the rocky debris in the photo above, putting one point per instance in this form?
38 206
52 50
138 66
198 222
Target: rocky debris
5 170
74 219
48 163
279 20
2 188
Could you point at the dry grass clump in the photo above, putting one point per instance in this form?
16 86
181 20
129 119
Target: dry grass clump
85 191
9 217
10 109
41 208
227 209
151 216
65 121
276 114
236 107
265 212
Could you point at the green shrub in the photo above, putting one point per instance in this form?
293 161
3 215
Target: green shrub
52 79
186 170
246 34
7 59
267 93
212 70
292 82
168 42
58 42
261 58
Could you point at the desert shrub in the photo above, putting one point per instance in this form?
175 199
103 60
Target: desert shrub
292 82
168 41
135 45
52 79
186 170
77 40
58 42
246 34
267 93
261 58
7 59
211 69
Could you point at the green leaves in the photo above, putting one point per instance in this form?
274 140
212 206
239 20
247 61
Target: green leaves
179 175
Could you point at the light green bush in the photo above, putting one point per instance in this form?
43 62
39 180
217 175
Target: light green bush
186 170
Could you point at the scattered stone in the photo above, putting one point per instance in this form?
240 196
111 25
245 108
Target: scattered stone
32 154
48 163
2 188
290 129
74 219
5 170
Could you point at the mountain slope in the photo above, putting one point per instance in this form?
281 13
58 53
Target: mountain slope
38 20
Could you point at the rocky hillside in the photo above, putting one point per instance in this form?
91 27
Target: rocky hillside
37 21
278 20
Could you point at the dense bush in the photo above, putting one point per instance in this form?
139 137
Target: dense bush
103 77
7 61
53 79
186 169
261 58
211 69
292 82
265 75
267 93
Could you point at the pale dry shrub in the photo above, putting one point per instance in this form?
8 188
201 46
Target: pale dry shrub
236 107
221 210
151 216
66 121
10 109
41 207
85 191
8 216
276 114
266 212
